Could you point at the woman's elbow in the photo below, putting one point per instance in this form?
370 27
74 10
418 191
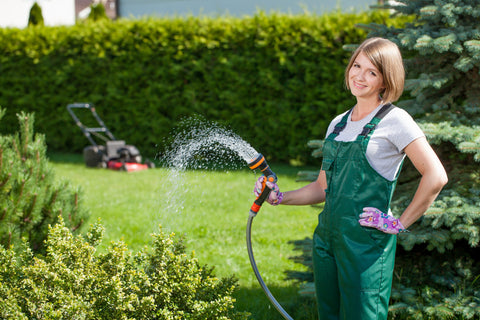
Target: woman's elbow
444 179
441 180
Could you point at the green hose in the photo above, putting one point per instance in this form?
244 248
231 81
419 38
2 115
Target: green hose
257 273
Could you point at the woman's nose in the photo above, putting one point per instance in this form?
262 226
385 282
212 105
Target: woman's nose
361 75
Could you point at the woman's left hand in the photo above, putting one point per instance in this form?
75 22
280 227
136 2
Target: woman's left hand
374 218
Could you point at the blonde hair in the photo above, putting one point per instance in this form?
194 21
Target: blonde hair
386 57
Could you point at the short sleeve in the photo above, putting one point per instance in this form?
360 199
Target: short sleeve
401 128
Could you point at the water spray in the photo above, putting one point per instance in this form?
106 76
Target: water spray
198 134
260 163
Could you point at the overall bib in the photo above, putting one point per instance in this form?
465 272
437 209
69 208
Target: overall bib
353 265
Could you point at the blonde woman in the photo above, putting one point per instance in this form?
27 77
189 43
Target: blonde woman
355 240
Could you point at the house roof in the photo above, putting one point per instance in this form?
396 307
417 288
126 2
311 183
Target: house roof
110 7
80 5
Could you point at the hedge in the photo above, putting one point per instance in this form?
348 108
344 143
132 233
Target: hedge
261 76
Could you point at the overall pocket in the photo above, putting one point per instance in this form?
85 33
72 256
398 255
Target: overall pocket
327 166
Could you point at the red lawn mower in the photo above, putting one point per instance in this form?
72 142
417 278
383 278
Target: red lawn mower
115 154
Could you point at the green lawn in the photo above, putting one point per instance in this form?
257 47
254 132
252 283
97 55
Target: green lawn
210 208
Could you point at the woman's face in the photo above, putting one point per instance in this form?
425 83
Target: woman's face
364 79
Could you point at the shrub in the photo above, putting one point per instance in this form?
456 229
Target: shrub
442 50
31 197
35 17
71 282
97 12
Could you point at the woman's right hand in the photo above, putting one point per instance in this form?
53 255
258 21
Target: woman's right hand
275 197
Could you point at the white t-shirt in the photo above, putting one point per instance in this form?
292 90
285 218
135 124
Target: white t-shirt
385 148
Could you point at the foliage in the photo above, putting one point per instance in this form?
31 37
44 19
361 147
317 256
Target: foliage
31 198
97 12
443 67
35 17
433 285
258 75
446 87
71 282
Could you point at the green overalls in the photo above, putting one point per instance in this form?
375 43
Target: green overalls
353 265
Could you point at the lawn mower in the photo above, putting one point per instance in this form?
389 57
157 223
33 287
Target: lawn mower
115 154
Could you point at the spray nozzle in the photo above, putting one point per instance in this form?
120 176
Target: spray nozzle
259 162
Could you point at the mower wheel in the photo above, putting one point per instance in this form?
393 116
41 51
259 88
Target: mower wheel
149 164
94 156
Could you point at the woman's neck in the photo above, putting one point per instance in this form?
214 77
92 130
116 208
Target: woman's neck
364 108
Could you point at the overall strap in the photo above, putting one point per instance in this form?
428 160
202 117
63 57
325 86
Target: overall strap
340 126
370 127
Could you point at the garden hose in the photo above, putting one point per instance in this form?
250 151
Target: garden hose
260 163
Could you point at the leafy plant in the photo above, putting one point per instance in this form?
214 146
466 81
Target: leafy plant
72 282
31 197
35 18
97 12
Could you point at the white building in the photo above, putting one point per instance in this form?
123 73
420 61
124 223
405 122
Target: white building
15 13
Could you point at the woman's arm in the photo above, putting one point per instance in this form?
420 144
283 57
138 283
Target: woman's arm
312 193
433 179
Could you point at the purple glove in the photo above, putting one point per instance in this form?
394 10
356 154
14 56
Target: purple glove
275 197
374 218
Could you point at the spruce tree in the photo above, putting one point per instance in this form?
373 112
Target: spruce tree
442 49
31 197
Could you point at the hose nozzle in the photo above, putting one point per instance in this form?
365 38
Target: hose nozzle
259 162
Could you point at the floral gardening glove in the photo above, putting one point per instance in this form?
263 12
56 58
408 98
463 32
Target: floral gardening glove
374 218
275 197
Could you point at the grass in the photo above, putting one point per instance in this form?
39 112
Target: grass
210 208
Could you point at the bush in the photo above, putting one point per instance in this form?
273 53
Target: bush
71 282
97 12
31 197
66 278
35 17
443 53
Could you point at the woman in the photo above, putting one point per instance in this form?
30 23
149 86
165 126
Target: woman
355 240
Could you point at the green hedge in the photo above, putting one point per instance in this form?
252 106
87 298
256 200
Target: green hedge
276 80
